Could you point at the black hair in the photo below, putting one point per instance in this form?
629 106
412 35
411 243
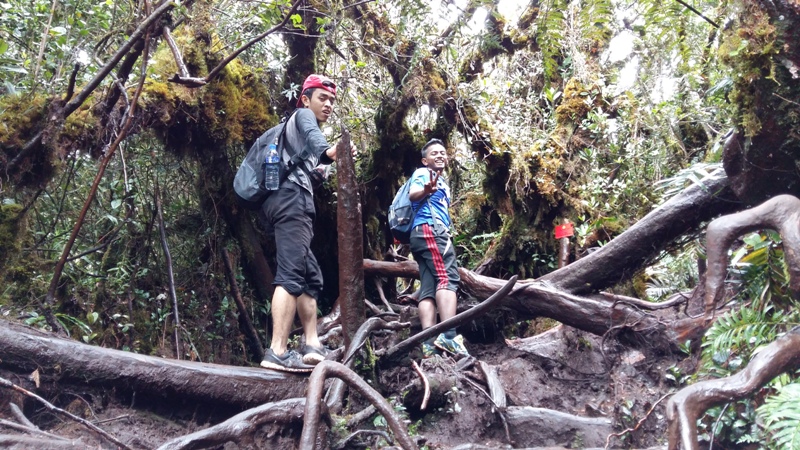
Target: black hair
433 141
309 92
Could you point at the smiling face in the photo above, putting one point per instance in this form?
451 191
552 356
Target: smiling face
320 103
435 157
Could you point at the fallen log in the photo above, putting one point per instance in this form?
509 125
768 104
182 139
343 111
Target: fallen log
24 348
621 258
594 314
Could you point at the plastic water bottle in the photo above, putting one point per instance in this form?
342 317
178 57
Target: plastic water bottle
272 168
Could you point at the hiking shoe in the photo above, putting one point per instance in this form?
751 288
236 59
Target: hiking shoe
314 355
454 345
290 361
429 350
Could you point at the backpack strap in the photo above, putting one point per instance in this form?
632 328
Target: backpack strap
295 159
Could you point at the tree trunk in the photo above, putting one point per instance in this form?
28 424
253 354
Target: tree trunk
351 243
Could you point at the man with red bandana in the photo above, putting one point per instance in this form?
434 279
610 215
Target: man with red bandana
290 213
433 249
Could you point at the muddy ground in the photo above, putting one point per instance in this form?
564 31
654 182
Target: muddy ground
564 388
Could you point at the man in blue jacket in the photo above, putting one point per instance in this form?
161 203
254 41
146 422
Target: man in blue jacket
290 213
433 250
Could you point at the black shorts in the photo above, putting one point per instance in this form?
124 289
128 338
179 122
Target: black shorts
290 213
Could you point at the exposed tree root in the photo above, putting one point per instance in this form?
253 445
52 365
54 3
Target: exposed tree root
399 350
7 384
593 314
7 441
242 425
316 384
689 404
425 385
20 416
781 213
336 391
26 348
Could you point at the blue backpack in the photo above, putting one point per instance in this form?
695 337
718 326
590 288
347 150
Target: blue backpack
401 214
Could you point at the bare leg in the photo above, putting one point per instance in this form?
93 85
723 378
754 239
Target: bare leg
284 306
446 302
427 313
307 310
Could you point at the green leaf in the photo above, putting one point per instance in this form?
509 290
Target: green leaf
296 19
115 204
3 46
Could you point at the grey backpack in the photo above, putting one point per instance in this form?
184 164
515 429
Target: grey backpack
249 180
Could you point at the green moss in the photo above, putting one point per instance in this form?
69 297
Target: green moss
20 116
232 109
11 226
577 101
749 48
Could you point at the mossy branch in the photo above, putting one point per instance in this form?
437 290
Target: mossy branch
76 102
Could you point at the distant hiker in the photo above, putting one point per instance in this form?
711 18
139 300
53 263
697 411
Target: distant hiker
290 213
433 249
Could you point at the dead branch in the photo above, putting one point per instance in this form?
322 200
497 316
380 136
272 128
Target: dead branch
242 424
425 385
361 416
9 385
402 348
686 407
173 296
51 291
73 76
316 384
215 71
343 443
781 213
677 300
624 255
498 394
76 102
244 317
29 429
176 53
382 295
638 424
336 391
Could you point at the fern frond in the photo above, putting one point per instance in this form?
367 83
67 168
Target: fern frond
739 332
550 36
781 416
